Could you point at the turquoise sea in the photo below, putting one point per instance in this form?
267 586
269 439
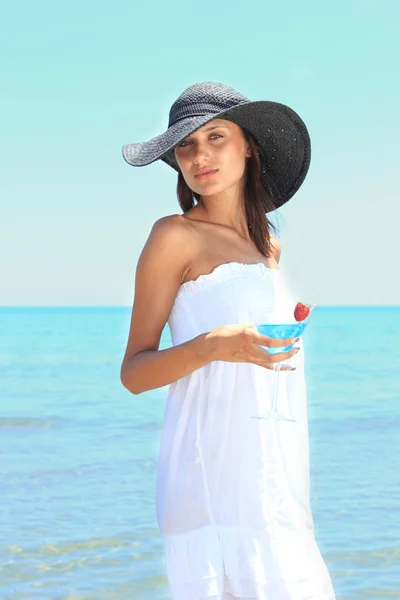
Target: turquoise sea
78 455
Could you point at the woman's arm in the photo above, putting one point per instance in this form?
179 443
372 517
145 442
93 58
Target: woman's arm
160 271
150 369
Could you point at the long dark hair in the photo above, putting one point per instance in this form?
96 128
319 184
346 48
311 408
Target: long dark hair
257 202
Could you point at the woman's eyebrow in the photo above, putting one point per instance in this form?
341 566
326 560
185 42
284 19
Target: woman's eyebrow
215 127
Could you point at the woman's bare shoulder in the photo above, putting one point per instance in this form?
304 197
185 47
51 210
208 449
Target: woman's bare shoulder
174 223
177 229
171 245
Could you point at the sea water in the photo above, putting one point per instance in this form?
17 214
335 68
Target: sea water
78 455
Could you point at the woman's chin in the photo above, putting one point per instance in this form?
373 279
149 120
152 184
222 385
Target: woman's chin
207 188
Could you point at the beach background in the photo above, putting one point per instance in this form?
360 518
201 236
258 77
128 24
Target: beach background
78 452
79 455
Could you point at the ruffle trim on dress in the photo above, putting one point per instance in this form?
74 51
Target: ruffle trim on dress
223 272
221 563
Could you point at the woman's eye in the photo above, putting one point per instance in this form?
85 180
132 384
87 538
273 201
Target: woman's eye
184 143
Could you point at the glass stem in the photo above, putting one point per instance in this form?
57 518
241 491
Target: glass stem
277 368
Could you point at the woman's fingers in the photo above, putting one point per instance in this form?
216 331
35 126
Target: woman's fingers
265 340
270 359
267 356
281 356
276 342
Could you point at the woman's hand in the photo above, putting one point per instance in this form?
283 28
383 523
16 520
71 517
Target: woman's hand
242 343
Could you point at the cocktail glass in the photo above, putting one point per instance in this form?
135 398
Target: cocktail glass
281 331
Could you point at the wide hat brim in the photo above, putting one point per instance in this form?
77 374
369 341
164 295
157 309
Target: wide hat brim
280 132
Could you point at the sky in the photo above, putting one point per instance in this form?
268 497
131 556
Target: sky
79 80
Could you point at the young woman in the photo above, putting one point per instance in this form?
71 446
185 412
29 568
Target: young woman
232 492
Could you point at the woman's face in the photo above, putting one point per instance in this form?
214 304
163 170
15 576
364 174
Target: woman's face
213 158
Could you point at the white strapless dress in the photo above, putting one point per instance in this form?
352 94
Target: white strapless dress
233 498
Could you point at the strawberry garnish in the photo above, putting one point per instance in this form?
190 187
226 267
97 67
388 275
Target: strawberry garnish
301 311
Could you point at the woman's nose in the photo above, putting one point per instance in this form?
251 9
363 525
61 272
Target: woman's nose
201 154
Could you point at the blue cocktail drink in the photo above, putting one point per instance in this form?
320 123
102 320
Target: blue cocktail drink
281 331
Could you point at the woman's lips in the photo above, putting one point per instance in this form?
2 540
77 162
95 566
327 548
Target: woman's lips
207 174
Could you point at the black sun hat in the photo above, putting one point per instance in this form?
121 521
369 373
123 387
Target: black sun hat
279 131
